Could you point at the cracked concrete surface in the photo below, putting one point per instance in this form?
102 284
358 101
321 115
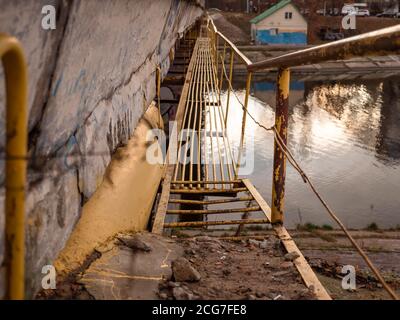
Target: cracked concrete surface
122 273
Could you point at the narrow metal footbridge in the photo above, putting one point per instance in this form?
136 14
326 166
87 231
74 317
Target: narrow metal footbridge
201 186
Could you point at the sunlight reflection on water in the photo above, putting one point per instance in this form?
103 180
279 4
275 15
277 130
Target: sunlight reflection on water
347 138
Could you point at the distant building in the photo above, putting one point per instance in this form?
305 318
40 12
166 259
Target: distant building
281 24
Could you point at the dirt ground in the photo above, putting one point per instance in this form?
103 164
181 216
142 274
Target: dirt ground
232 270
241 270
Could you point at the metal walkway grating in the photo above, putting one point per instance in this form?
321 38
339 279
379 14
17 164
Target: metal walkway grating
202 189
204 150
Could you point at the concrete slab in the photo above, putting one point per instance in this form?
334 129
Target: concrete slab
124 273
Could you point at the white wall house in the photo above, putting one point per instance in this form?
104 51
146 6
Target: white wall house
281 24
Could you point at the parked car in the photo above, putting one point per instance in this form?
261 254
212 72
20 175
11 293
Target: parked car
334 12
390 13
363 13
348 10
329 34
328 12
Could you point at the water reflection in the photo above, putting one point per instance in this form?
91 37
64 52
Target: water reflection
347 137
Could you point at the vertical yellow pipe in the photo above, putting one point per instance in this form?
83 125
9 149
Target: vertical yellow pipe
222 73
15 71
246 102
216 56
281 123
158 84
229 87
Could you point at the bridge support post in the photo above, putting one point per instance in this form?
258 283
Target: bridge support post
281 123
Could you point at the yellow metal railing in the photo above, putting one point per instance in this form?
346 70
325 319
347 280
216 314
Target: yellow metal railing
215 35
382 42
15 71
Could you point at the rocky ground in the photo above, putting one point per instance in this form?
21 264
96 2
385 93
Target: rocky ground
227 270
195 266
145 266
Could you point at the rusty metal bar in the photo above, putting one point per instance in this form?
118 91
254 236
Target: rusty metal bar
16 80
281 123
216 211
377 43
211 202
246 102
214 223
208 182
208 191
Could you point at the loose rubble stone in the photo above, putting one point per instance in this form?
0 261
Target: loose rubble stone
263 274
207 239
183 271
135 243
305 294
254 242
264 244
163 296
278 244
287 265
172 284
180 294
281 273
226 272
291 256
190 251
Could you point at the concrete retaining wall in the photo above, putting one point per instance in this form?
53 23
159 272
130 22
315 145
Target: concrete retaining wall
91 81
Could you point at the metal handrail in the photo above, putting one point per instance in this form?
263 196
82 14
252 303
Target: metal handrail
236 51
15 70
376 43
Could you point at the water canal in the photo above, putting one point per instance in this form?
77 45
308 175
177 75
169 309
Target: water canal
346 136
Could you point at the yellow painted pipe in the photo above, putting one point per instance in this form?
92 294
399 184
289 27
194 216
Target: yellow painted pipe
15 70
